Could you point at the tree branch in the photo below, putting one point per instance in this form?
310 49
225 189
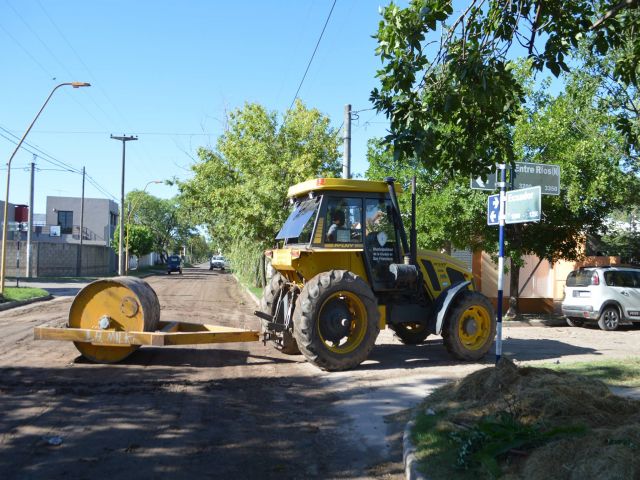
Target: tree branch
614 11
534 28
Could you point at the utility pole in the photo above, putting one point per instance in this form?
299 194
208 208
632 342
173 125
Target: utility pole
346 164
124 139
79 261
30 220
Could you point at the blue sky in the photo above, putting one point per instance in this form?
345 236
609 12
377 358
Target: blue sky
168 71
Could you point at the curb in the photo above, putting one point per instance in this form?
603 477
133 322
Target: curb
249 292
409 453
20 303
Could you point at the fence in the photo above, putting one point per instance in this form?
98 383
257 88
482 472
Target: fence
59 259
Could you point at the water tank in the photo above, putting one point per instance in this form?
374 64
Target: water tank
22 213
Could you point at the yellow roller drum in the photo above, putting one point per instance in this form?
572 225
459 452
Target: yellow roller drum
116 304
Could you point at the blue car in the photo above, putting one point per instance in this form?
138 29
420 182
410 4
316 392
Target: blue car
174 264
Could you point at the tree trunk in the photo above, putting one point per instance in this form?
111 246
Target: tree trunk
514 285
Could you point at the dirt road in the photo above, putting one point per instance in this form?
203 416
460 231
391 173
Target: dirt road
227 411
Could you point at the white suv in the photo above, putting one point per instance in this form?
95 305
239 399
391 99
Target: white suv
608 295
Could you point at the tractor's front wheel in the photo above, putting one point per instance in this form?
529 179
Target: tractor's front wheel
410 333
470 327
272 294
336 320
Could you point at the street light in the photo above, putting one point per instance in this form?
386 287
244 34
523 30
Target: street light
6 200
131 210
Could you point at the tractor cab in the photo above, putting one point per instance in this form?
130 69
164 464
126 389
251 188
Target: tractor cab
338 218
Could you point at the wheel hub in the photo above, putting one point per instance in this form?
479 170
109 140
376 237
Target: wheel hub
470 326
335 320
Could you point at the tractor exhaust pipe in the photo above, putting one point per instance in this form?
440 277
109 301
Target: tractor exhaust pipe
413 234
398 220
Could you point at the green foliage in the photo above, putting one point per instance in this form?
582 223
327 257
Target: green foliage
164 218
623 237
140 239
448 213
12 294
239 189
570 130
447 84
490 439
621 372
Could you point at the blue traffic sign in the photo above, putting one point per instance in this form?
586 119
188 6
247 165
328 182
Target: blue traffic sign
493 209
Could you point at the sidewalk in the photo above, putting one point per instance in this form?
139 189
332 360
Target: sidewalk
536 320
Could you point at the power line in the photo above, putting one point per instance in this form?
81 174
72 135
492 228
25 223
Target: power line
98 132
58 163
53 159
313 55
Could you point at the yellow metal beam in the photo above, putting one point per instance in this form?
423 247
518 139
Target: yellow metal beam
172 333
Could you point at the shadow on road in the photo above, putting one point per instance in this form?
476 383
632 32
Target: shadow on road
433 353
110 422
194 357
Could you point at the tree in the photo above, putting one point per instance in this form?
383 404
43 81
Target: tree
162 217
140 239
569 130
448 213
240 187
448 86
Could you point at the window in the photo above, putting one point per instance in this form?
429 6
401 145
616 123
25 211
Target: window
299 225
622 279
65 220
343 221
580 278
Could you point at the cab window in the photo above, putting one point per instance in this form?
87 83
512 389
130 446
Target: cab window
343 222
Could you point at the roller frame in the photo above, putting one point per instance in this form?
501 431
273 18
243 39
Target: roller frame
170 333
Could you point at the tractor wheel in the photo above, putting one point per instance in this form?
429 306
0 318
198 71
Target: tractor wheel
270 297
470 327
336 320
410 333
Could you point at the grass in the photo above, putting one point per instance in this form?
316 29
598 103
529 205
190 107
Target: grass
620 373
23 293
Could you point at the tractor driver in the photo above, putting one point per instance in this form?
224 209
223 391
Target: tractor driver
337 221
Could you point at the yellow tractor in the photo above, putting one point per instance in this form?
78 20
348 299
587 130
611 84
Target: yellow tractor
344 269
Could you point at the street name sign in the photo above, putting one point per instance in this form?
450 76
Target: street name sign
493 209
523 205
487 182
528 174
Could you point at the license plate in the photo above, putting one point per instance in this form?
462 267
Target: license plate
582 294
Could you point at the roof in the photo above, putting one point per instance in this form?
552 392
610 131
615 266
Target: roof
340 184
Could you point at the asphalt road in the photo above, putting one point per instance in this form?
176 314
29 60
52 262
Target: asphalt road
228 410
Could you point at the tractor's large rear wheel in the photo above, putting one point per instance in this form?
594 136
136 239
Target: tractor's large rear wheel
272 294
470 327
410 333
336 320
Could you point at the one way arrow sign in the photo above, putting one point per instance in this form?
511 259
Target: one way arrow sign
493 209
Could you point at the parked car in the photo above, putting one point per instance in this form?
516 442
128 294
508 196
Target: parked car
174 264
218 261
607 295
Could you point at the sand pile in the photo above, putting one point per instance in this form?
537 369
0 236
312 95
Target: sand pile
607 448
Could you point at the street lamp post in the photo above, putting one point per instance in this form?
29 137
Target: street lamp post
124 139
6 198
131 210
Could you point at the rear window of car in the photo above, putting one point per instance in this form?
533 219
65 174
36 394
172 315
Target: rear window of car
619 278
580 278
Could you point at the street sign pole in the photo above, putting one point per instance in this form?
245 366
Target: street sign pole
503 197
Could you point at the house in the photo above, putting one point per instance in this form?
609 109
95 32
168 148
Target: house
100 220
